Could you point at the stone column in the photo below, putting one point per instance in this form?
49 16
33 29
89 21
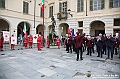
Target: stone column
86 30
109 30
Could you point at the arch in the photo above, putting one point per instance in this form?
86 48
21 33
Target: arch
39 29
4 25
20 27
97 27
63 27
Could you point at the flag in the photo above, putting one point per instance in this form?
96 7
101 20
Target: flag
72 32
69 31
42 5
24 29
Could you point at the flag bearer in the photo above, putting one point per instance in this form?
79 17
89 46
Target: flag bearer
39 42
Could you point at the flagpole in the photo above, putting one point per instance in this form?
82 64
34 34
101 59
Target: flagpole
43 19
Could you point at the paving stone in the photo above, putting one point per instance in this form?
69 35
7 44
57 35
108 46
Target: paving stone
47 71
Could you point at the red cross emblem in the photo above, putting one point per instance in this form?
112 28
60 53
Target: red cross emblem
6 36
35 37
13 40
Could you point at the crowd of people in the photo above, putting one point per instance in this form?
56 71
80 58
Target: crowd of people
105 44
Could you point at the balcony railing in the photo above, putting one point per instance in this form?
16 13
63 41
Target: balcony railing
62 15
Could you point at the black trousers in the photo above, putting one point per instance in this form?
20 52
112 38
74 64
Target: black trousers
69 46
81 52
104 49
89 51
115 50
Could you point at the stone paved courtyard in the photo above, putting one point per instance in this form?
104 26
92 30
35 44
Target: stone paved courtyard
53 63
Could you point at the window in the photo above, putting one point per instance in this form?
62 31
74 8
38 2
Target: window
50 11
117 22
2 3
80 5
41 13
96 4
80 23
25 7
114 3
63 7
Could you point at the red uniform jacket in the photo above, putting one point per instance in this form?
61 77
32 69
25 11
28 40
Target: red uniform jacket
78 41
30 38
1 40
116 42
105 41
89 42
68 40
39 39
25 39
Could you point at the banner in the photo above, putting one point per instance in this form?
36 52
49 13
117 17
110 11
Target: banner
13 40
35 38
6 35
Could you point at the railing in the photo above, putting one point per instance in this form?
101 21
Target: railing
62 15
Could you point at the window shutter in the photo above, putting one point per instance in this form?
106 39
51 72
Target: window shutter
60 7
27 7
91 5
66 6
78 5
111 3
23 7
2 3
102 4
82 5
51 11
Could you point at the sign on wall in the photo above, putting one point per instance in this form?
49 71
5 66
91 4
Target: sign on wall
35 38
6 35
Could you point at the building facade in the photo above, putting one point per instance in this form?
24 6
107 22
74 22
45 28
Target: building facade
89 16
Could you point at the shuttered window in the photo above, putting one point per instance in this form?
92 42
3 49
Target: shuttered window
41 12
25 7
50 11
2 3
114 3
97 4
80 5
63 7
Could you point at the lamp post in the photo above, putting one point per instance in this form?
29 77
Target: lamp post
34 11
86 7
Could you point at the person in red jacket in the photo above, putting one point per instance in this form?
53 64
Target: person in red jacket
30 41
58 42
89 42
68 43
39 42
48 42
25 41
78 45
116 45
1 41
12 39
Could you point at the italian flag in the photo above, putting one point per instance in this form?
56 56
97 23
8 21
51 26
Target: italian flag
42 5
24 29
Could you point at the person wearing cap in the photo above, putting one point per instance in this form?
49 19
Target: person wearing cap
68 43
104 44
78 45
115 45
110 46
89 42
100 41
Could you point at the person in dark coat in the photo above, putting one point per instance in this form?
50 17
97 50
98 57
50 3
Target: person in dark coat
89 42
100 41
68 43
104 44
115 45
78 45
110 46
